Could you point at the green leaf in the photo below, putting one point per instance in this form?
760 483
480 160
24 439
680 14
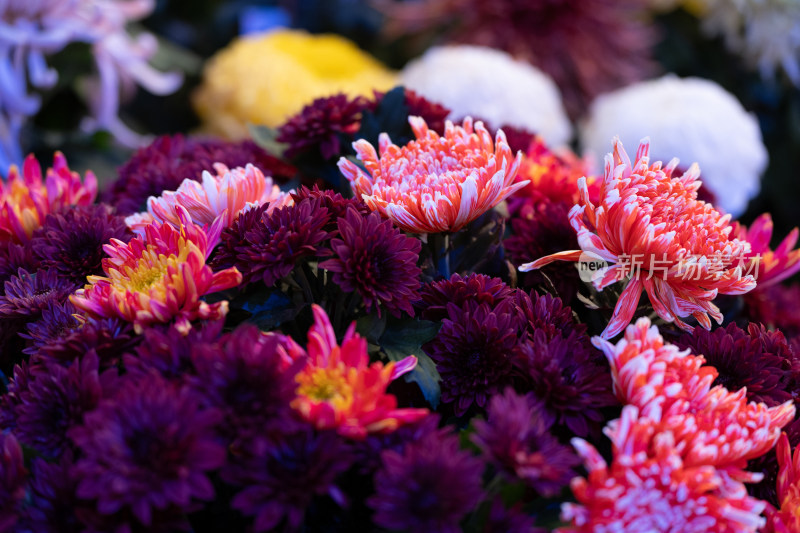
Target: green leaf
266 138
267 307
406 337
390 116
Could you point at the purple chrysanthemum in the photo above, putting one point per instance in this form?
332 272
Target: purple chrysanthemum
167 161
27 295
57 320
478 288
72 242
368 452
539 229
433 113
170 352
742 361
265 247
546 313
281 477
12 480
569 378
148 449
376 260
321 126
53 506
12 399
516 439
472 352
508 520
14 256
430 486
56 400
245 379
109 338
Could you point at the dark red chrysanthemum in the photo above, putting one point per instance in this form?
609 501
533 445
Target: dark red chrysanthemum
516 439
519 139
743 360
280 478
167 161
57 320
15 256
569 378
473 353
150 448
56 400
243 377
322 126
376 260
775 306
28 295
12 481
539 229
72 242
430 486
265 247
109 338
458 290
336 204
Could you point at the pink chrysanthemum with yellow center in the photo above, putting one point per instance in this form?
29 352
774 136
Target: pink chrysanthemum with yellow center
769 266
659 236
339 388
26 199
159 278
435 183
225 195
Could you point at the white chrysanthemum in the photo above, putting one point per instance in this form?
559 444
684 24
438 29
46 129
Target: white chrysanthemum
489 84
765 32
692 119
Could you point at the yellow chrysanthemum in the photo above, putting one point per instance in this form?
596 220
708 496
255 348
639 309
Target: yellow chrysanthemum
265 79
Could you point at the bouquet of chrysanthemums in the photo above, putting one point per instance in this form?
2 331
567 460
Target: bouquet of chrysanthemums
374 318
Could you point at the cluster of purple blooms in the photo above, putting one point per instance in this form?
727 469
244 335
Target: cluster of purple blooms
106 429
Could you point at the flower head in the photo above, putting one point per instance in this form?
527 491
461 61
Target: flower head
516 439
773 307
336 204
459 290
54 507
169 160
429 486
321 125
57 320
109 338
158 279
72 242
225 195
770 266
14 256
786 519
376 260
652 227
488 83
12 480
473 353
697 121
267 78
149 448
547 313
339 389
28 295
26 199
435 183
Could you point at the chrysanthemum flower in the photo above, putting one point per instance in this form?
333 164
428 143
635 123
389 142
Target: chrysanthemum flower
709 425
12 399
53 506
546 313
459 290
267 78
376 260
656 232
477 81
430 486
320 126
339 388
169 160
159 279
336 204
72 242
767 464
58 319
225 195
26 199
149 448
14 256
786 519
473 353
435 183
368 451
567 377
516 438
109 338
281 478
698 121
28 295
772 266
649 487
12 480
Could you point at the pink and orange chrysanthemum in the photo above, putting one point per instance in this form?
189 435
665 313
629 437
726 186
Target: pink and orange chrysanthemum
769 266
787 518
679 448
655 231
159 278
435 183
26 198
339 388
225 195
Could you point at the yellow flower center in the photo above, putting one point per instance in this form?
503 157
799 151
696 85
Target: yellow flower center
326 385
